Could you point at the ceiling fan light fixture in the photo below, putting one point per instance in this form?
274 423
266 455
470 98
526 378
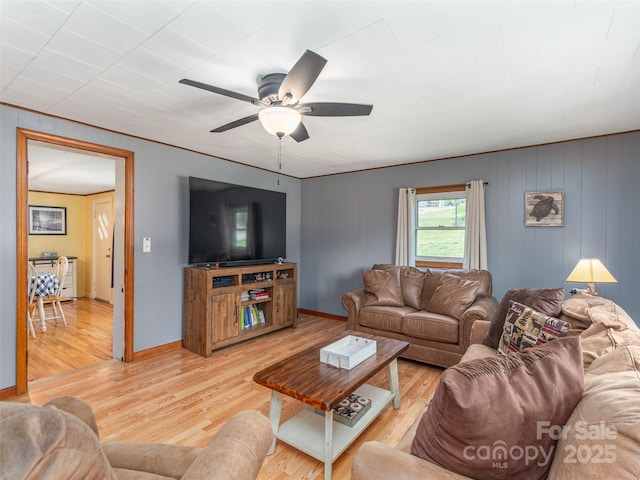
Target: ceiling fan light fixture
279 121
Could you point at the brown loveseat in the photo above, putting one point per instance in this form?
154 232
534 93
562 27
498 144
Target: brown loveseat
60 440
600 439
433 310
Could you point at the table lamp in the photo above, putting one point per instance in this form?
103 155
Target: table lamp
591 270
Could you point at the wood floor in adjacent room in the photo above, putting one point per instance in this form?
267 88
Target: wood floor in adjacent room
85 341
182 398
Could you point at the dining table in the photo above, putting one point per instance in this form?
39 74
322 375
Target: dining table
47 285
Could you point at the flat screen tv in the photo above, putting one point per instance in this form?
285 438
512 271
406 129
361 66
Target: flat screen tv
235 224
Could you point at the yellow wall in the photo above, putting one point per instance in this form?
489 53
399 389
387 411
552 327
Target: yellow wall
78 241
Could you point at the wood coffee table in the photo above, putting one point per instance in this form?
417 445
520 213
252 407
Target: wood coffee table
304 377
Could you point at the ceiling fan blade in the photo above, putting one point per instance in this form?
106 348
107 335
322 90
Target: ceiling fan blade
300 134
221 91
301 76
330 109
237 123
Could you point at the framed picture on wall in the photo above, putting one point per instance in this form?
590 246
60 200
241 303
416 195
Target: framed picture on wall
47 220
544 209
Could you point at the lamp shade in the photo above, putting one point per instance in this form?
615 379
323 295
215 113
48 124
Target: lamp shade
591 270
279 121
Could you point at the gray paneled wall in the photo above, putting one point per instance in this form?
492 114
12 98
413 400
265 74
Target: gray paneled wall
349 220
161 212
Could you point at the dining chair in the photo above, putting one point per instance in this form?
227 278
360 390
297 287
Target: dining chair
32 282
60 271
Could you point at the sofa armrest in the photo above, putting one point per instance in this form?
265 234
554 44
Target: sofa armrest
78 408
377 460
482 309
352 303
479 330
236 452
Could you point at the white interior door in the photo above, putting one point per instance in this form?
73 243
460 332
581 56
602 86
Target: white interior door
103 245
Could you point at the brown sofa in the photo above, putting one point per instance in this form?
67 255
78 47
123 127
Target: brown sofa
60 440
433 310
601 438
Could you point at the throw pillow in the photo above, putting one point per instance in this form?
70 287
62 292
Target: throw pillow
431 280
492 418
382 288
411 282
453 295
525 328
547 301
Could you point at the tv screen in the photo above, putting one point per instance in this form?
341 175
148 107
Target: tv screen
235 224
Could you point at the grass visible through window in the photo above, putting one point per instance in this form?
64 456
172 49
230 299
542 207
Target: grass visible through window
441 242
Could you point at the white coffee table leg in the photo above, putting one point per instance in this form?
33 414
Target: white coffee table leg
274 416
394 384
328 443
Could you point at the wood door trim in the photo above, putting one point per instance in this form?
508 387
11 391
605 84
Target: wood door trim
22 239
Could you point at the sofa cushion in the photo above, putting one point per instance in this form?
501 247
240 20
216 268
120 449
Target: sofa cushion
385 318
525 328
547 301
453 295
382 288
476 351
610 329
431 326
485 413
583 309
599 340
602 437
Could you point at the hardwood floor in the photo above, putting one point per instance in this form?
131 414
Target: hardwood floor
179 397
86 340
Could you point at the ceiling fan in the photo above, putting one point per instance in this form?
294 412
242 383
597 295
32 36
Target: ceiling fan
279 97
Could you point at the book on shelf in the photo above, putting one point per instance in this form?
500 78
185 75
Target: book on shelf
254 294
251 316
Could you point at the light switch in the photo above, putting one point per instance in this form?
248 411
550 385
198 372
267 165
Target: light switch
146 244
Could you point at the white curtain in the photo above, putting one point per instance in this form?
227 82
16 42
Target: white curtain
475 256
405 252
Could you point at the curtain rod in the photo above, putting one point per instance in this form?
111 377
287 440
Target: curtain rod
485 183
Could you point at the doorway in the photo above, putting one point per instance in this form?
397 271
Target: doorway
122 238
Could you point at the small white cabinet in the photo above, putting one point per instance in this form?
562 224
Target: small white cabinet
69 285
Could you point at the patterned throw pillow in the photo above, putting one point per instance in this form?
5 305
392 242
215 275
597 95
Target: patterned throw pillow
543 300
525 328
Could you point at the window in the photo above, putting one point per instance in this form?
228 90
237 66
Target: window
440 226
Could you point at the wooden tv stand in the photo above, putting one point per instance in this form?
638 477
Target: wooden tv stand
218 314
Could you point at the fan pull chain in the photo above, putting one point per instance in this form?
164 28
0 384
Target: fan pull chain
279 158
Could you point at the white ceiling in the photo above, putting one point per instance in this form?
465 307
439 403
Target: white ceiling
445 78
53 168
